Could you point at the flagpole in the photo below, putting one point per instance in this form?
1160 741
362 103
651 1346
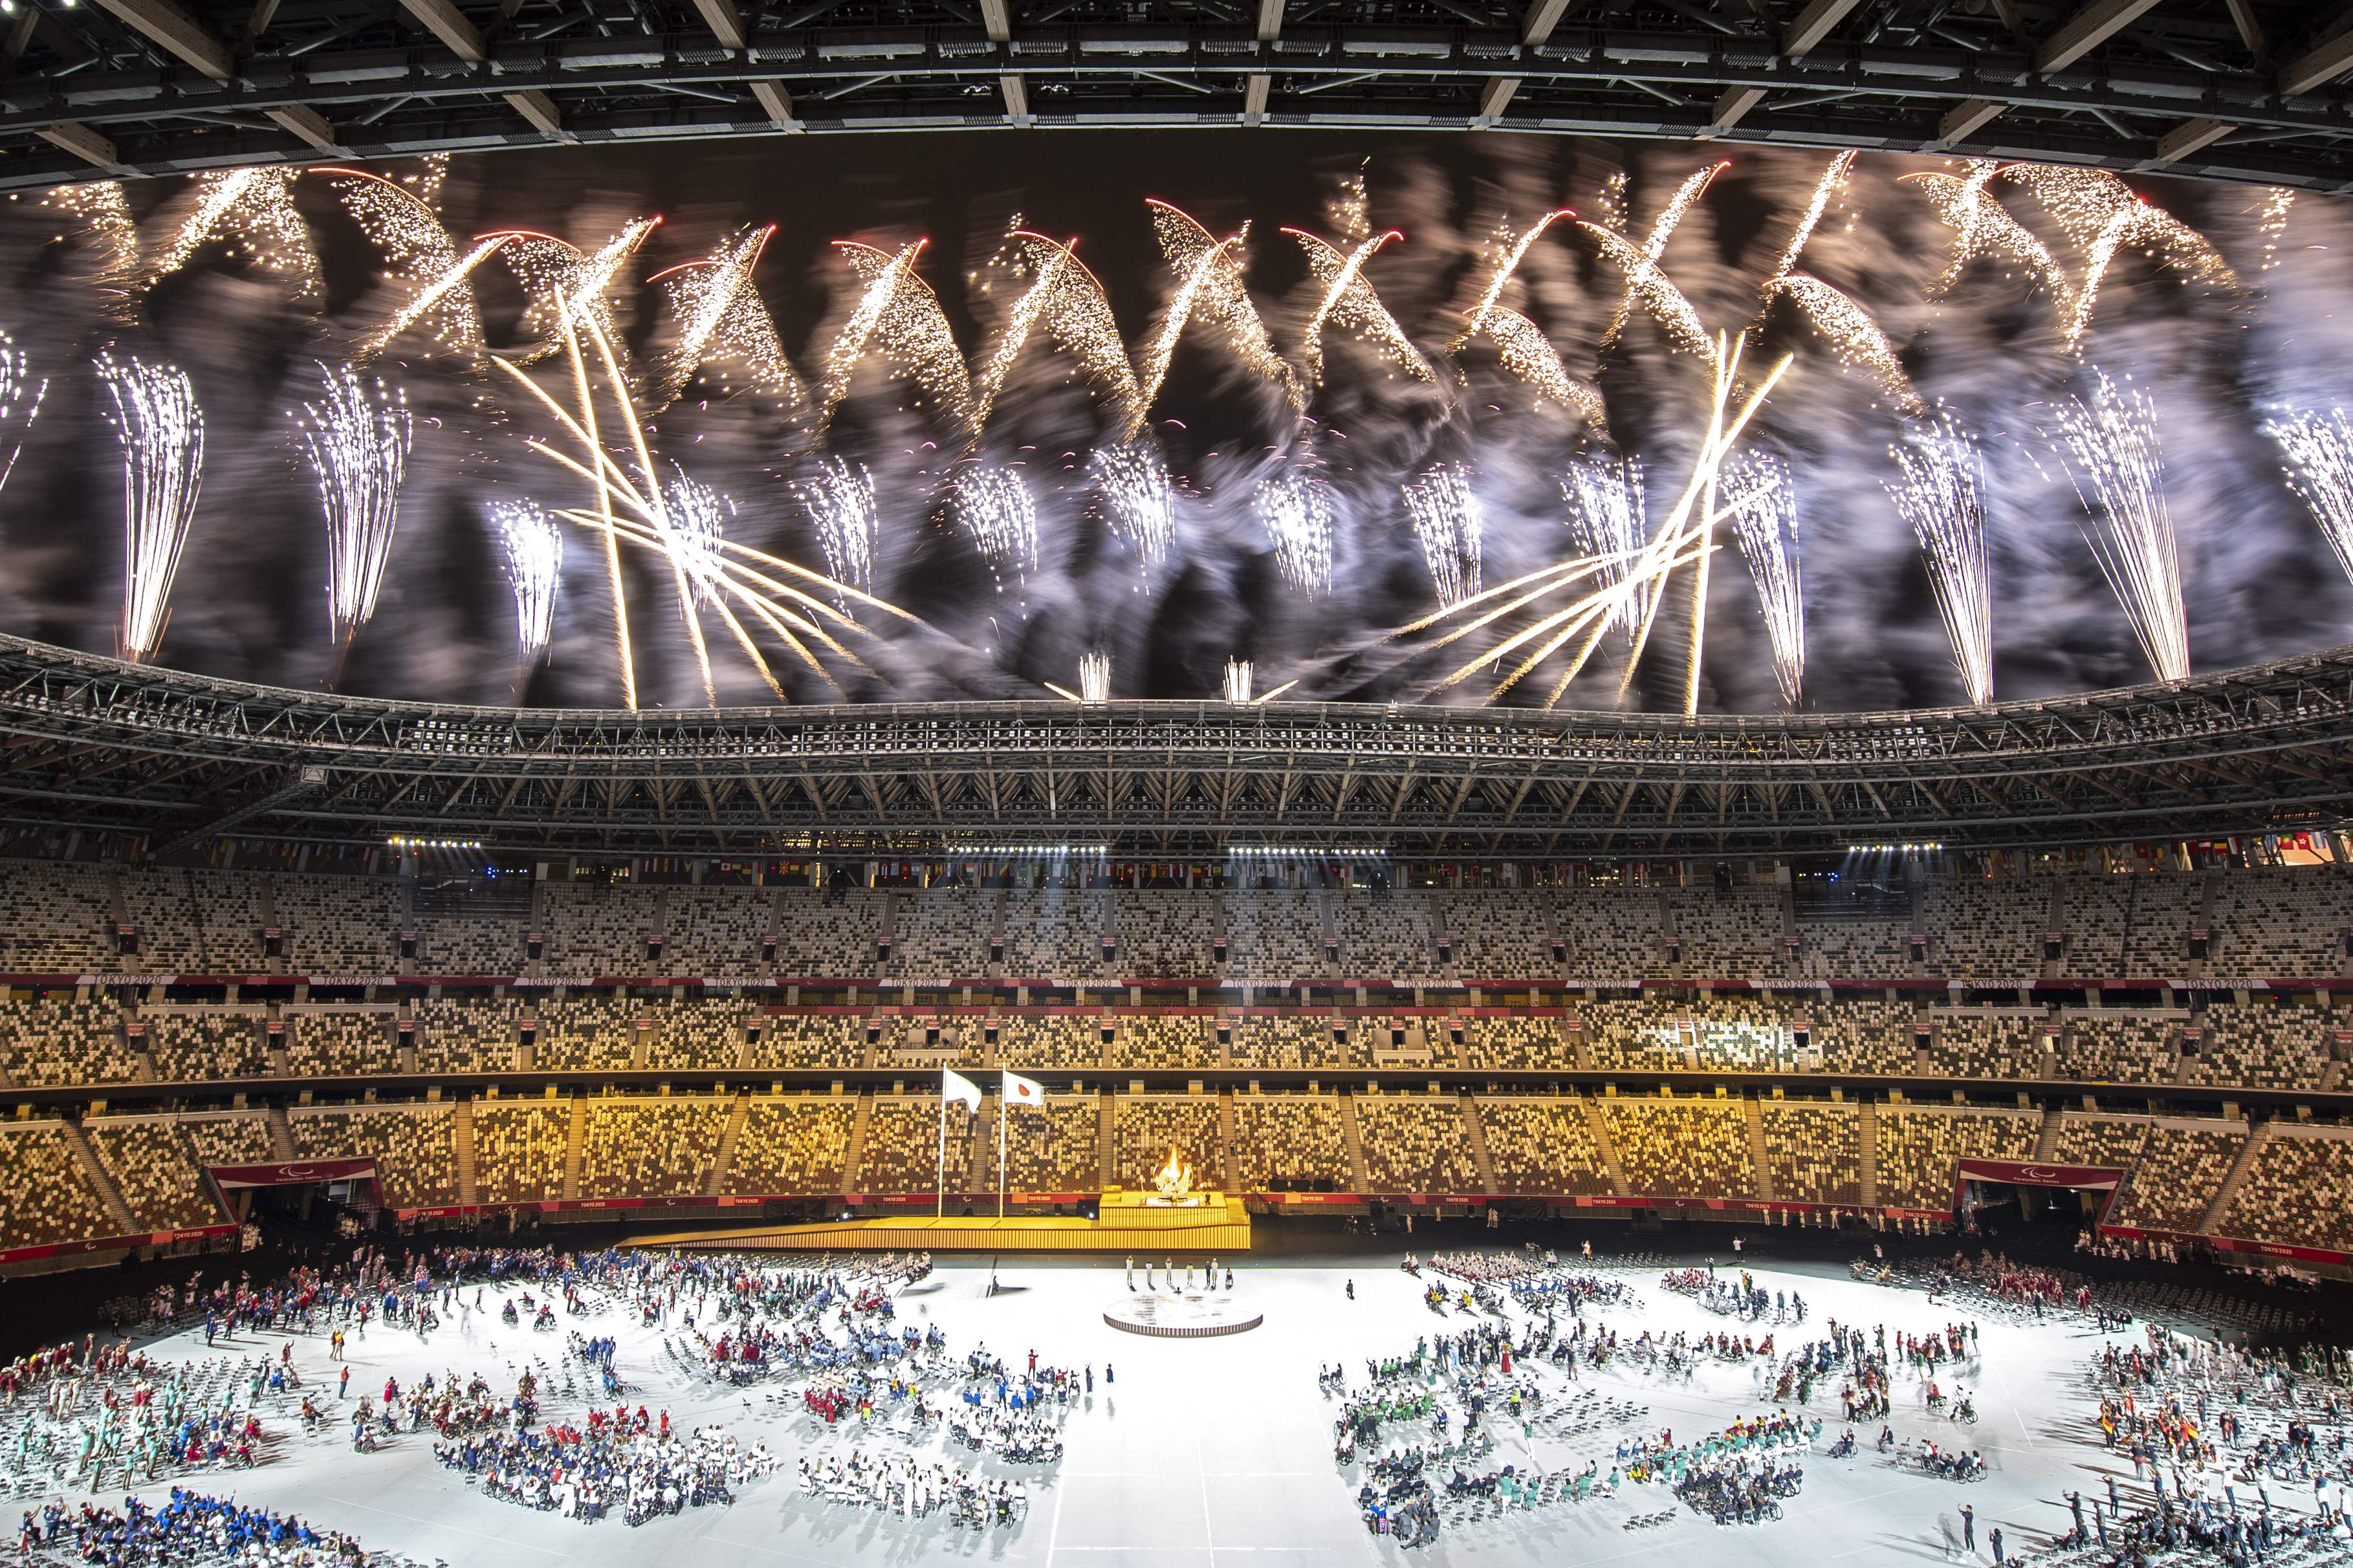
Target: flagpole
1000 1148
940 1175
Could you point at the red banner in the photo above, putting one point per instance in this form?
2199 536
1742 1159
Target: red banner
2020 1172
113 1243
292 1173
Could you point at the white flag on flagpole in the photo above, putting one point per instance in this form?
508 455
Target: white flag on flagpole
1020 1091
954 1085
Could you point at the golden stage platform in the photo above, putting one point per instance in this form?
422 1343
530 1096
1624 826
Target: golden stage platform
1142 1224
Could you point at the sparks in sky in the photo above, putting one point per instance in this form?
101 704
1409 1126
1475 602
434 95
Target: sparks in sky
1448 524
1296 510
2319 452
1757 487
422 259
722 321
531 547
162 431
356 440
1942 496
2109 443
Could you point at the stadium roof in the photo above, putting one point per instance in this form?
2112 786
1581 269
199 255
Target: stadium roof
2239 92
100 745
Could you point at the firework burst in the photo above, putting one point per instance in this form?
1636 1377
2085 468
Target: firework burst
103 212
1297 512
698 519
249 211
1643 282
2319 452
839 496
1853 337
898 318
2109 442
1138 500
1982 226
1350 303
568 288
993 507
1649 283
20 401
161 430
1608 520
357 441
1833 181
1942 496
421 256
724 319
2102 216
530 547
1210 289
1509 252
1756 487
1448 524
1524 353
1067 301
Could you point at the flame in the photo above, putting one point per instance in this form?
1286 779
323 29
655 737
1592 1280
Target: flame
1175 1179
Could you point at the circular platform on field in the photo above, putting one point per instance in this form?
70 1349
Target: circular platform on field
1181 1314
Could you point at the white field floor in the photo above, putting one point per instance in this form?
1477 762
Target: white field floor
1212 1452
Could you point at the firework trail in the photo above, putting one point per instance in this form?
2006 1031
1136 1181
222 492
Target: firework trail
1608 520
1853 337
357 444
1138 500
1236 684
632 508
1068 300
1524 353
531 547
1210 289
20 401
1349 208
161 430
1448 523
1296 510
104 213
839 499
1833 180
1653 247
1350 303
2102 216
1648 282
994 507
698 521
2273 225
403 225
250 211
899 317
1509 254
1094 676
2109 442
725 320
568 288
1982 226
1756 488
2319 452
1942 496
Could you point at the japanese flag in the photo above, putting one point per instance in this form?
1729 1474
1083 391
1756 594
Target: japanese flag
1020 1091
955 1086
